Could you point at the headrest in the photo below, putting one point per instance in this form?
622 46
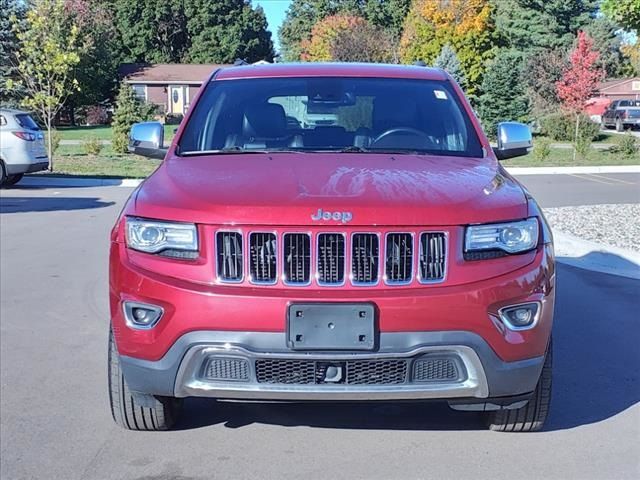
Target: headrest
392 112
265 120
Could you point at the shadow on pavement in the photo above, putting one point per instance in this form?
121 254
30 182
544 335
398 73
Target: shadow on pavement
49 204
596 374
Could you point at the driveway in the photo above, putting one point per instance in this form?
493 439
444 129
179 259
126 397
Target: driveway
55 420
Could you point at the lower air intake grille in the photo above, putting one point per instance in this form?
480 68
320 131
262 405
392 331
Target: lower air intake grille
432 256
358 372
330 258
229 248
399 258
227 369
435 370
262 264
364 258
297 258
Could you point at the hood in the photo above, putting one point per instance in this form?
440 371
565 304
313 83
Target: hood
354 189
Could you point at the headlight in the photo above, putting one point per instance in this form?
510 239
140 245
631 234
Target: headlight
179 240
510 237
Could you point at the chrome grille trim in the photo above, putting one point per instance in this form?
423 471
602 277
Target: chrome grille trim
263 259
302 259
359 271
229 258
407 259
441 257
334 261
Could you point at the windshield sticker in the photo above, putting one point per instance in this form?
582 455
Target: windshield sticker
441 94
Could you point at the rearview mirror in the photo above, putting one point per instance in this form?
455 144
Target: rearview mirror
147 139
514 140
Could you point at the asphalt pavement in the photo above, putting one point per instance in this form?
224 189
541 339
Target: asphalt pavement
55 420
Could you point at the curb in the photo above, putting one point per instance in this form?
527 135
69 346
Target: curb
573 170
597 257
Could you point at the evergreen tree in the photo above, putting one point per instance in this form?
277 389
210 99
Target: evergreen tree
504 96
532 25
388 15
449 62
129 110
12 12
224 30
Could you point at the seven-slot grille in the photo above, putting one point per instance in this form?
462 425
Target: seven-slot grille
294 257
262 261
364 258
230 261
399 258
330 266
297 258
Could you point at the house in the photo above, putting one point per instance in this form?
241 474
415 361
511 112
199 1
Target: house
623 89
170 86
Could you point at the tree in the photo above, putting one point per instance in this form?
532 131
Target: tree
97 70
129 110
624 12
603 31
448 61
466 25
303 15
153 31
224 30
580 80
533 25
504 97
542 71
387 15
11 22
319 47
48 54
363 43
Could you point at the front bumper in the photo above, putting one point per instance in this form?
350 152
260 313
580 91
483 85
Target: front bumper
480 374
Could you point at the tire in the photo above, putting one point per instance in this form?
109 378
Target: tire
3 174
532 416
13 179
619 125
127 412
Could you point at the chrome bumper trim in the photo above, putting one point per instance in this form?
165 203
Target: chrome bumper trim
189 382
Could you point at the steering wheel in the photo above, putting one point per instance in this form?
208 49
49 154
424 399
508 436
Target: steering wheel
395 131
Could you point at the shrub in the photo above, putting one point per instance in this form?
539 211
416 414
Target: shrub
628 145
562 127
541 149
583 146
97 115
129 110
92 146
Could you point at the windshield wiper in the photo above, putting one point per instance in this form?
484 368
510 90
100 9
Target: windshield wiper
354 149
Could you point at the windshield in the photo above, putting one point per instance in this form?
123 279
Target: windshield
330 114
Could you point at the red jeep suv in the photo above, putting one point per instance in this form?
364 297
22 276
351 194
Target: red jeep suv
331 232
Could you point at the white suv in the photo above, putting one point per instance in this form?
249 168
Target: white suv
22 147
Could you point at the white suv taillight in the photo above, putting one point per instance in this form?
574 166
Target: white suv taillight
28 136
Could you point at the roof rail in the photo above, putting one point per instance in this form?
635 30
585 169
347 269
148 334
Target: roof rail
240 62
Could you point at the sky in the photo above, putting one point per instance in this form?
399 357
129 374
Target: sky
275 11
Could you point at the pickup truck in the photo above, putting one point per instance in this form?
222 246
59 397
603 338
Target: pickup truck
386 256
622 114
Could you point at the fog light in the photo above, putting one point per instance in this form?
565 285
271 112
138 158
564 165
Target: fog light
141 315
520 317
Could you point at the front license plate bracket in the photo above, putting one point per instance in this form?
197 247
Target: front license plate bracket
321 326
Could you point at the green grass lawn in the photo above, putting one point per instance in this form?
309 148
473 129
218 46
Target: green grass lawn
102 132
564 158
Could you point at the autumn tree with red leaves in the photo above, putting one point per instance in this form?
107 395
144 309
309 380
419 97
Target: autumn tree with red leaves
580 80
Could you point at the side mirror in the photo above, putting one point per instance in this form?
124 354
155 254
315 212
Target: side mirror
147 139
514 140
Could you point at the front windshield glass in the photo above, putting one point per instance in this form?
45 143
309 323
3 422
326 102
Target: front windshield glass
330 114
